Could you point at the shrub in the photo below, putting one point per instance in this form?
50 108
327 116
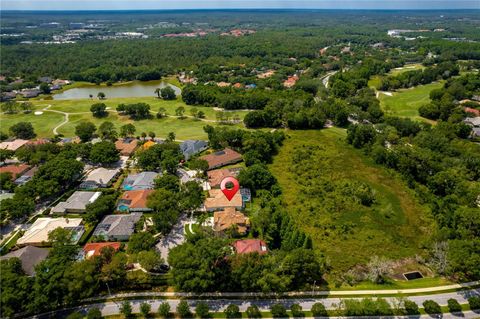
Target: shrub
296 310
164 309
318 310
411 308
126 309
202 310
453 305
75 315
278 311
232 311
183 309
145 309
253 312
431 307
474 302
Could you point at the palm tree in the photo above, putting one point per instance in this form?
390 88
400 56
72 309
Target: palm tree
157 92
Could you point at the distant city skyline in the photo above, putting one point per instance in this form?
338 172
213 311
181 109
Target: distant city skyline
234 4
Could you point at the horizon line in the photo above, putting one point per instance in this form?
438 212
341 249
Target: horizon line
241 9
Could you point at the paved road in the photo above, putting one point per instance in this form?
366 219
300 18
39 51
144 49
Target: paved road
218 305
175 238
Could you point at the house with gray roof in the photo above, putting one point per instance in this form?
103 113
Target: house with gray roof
140 181
99 178
29 256
76 203
117 227
192 147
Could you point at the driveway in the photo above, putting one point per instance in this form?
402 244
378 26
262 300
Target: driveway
175 238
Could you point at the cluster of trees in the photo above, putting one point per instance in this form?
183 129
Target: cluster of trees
12 107
87 130
207 264
443 105
136 111
171 199
166 93
409 79
99 110
23 130
257 147
444 169
164 157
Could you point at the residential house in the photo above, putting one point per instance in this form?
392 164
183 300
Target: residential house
117 227
76 203
30 93
99 178
222 158
266 74
290 81
16 170
135 201
7 96
473 111
37 233
13 145
95 249
216 201
228 218
192 147
40 141
30 256
45 79
148 144
143 180
126 146
246 246
472 121
22 180
216 176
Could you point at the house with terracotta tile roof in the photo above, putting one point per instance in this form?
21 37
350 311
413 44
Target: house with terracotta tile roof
95 249
13 145
216 176
222 158
290 81
15 170
475 112
228 218
216 201
134 201
126 146
147 145
246 246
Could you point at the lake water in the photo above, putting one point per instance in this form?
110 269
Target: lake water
133 89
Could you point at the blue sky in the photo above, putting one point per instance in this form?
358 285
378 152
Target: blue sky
234 4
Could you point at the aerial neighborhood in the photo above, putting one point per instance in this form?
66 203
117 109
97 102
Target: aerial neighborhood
239 163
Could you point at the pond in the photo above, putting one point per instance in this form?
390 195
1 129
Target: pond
132 89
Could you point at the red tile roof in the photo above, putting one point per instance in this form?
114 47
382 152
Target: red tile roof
472 110
222 158
15 170
94 249
137 198
126 147
216 176
246 246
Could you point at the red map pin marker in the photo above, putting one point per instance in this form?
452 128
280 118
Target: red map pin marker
229 193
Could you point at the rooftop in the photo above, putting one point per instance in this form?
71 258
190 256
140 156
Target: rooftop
100 177
192 147
246 246
117 225
143 180
38 232
126 146
30 256
216 176
13 145
95 249
77 202
217 201
222 158
15 170
223 220
135 199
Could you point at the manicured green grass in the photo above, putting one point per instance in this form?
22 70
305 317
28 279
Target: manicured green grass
406 68
42 124
79 110
405 103
12 241
398 284
395 226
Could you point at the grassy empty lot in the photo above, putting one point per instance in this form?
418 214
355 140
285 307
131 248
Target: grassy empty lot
79 110
313 168
406 102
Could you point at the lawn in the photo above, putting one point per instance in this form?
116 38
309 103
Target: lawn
406 102
42 124
313 168
79 110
